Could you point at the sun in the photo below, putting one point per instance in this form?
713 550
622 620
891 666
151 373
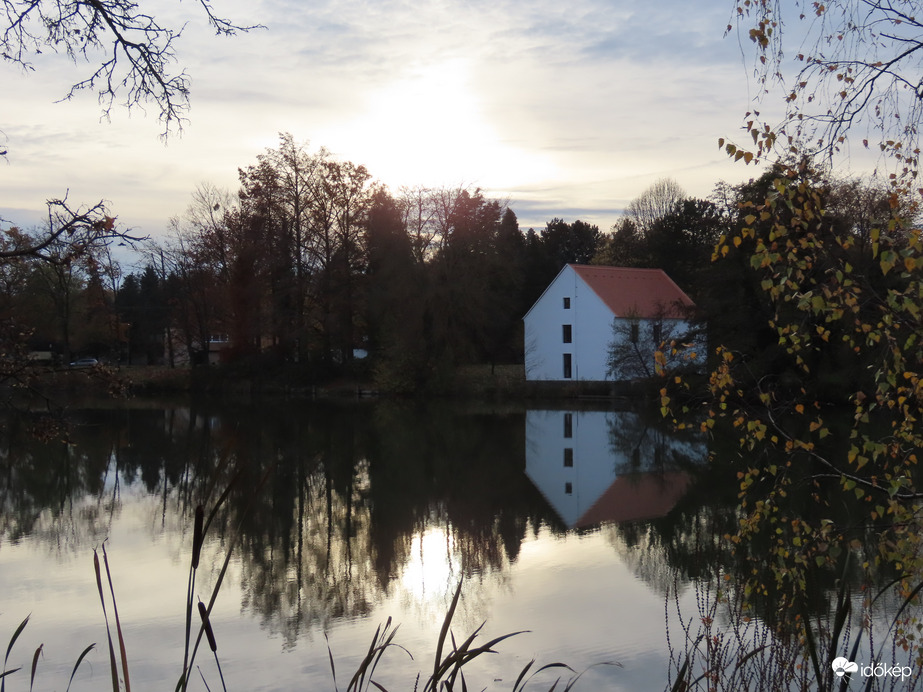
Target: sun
429 128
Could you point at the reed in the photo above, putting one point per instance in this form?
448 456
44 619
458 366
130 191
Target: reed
727 651
200 530
35 657
448 673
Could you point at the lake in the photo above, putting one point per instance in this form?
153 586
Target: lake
583 527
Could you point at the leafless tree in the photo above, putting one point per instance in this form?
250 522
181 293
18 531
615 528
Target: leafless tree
133 51
654 203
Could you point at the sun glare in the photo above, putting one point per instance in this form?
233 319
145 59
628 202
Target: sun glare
428 128
433 566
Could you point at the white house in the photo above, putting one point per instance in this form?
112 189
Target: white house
569 330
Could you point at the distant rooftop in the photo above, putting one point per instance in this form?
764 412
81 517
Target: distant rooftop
646 293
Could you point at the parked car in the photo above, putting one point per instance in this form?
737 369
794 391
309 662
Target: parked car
84 363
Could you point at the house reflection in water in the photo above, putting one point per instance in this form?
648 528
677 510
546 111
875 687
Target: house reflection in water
597 467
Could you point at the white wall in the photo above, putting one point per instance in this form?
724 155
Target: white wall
591 329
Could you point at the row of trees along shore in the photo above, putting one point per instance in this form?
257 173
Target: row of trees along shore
313 260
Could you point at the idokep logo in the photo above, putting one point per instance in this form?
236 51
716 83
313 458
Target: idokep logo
841 666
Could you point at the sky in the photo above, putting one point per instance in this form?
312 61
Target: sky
564 110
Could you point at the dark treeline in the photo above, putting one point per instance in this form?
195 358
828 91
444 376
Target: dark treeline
313 262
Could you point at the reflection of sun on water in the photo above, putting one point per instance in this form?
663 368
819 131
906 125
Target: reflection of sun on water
433 566
428 128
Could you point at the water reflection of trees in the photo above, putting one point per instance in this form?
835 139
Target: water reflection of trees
331 532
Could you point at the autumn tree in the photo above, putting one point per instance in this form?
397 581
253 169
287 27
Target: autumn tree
840 280
859 66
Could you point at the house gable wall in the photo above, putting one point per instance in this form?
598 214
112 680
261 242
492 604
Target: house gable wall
591 331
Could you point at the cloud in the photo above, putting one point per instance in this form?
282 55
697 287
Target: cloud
583 103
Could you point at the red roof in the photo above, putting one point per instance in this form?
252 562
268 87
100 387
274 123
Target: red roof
630 498
646 293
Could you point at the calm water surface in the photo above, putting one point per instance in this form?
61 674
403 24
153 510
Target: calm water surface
580 526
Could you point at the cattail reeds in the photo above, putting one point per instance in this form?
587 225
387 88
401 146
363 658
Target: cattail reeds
212 643
197 535
200 530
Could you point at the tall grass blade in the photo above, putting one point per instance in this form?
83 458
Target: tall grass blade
235 537
812 651
198 536
445 630
382 640
907 601
573 680
9 648
523 680
680 685
333 668
99 585
77 664
35 656
118 625
841 616
204 681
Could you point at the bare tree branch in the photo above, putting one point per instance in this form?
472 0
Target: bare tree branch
77 230
137 50
861 65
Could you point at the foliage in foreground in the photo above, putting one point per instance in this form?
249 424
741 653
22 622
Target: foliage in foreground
723 648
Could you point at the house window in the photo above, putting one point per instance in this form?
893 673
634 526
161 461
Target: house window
567 303
635 330
568 425
568 489
567 366
567 333
568 457
658 332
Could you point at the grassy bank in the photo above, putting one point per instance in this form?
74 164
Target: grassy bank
486 382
